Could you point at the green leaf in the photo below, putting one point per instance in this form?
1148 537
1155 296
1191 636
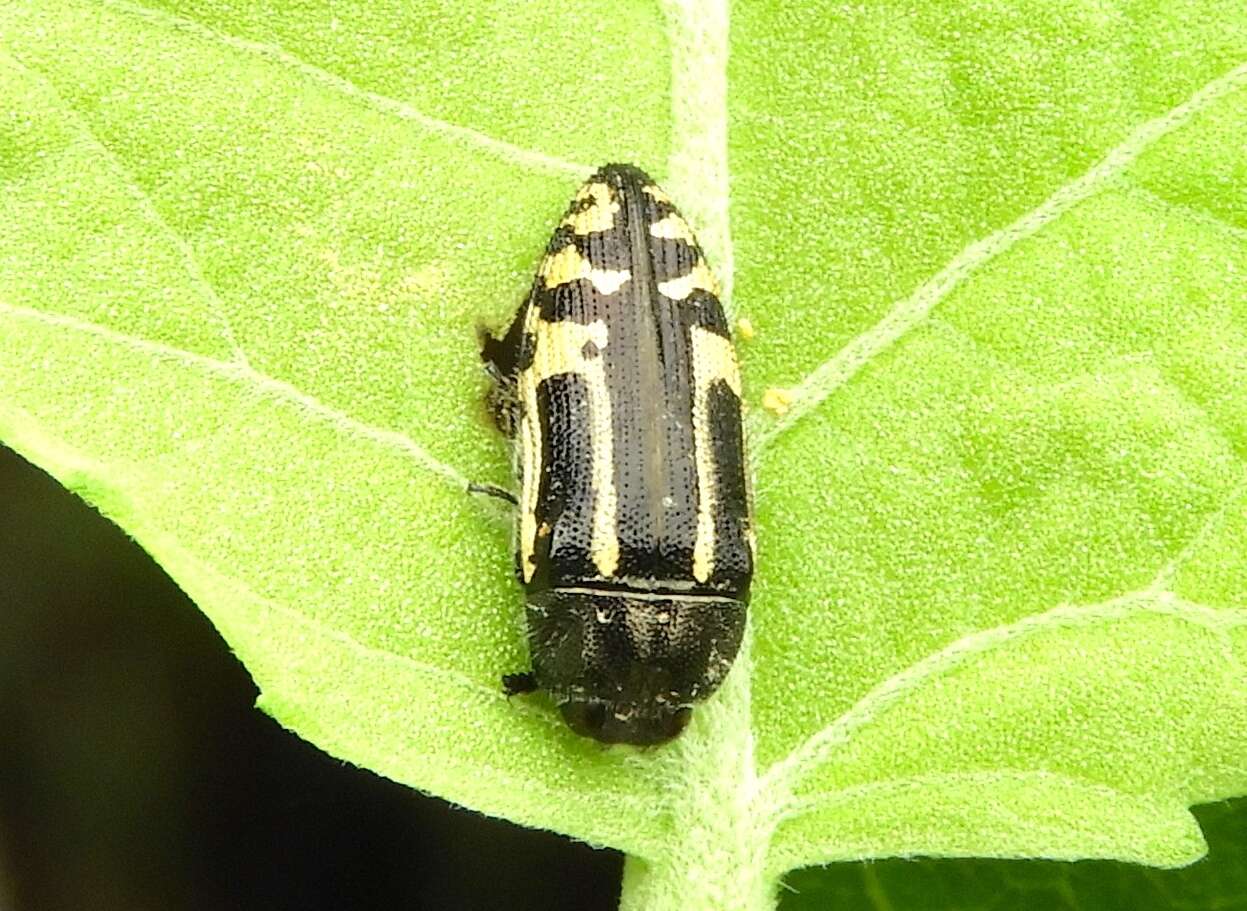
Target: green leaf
1217 881
996 251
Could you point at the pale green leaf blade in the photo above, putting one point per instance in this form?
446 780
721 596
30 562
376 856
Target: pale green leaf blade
985 243
545 77
239 303
1012 470
1219 881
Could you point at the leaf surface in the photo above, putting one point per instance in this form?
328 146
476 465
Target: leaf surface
997 252
1217 881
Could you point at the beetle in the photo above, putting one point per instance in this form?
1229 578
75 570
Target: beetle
618 383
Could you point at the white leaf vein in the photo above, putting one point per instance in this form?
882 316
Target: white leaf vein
528 158
147 207
780 779
248 376
910 312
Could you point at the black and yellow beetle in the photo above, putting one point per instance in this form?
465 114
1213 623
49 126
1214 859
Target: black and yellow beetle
618 382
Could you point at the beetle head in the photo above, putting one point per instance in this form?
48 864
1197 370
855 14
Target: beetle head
625 668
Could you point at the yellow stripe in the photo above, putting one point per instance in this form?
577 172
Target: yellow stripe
713 360
567 265
673 227
656 193
598 217
530 450
558 349
530 446
700 277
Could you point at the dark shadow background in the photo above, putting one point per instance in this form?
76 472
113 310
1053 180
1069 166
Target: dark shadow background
135 773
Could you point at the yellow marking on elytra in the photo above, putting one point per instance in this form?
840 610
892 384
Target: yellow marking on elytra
777 401
530 446
598 217
699 277
673 227
656 194
568 265
713 360
530 449
559 347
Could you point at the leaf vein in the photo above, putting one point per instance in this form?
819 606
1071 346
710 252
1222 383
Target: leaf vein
248 376
1156 202
1163 581
205 584
910 312
827 799
416 666
148 207
528 158
453 678
780 780
1096 793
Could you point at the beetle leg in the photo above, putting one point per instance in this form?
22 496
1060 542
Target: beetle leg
516 684
493 490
